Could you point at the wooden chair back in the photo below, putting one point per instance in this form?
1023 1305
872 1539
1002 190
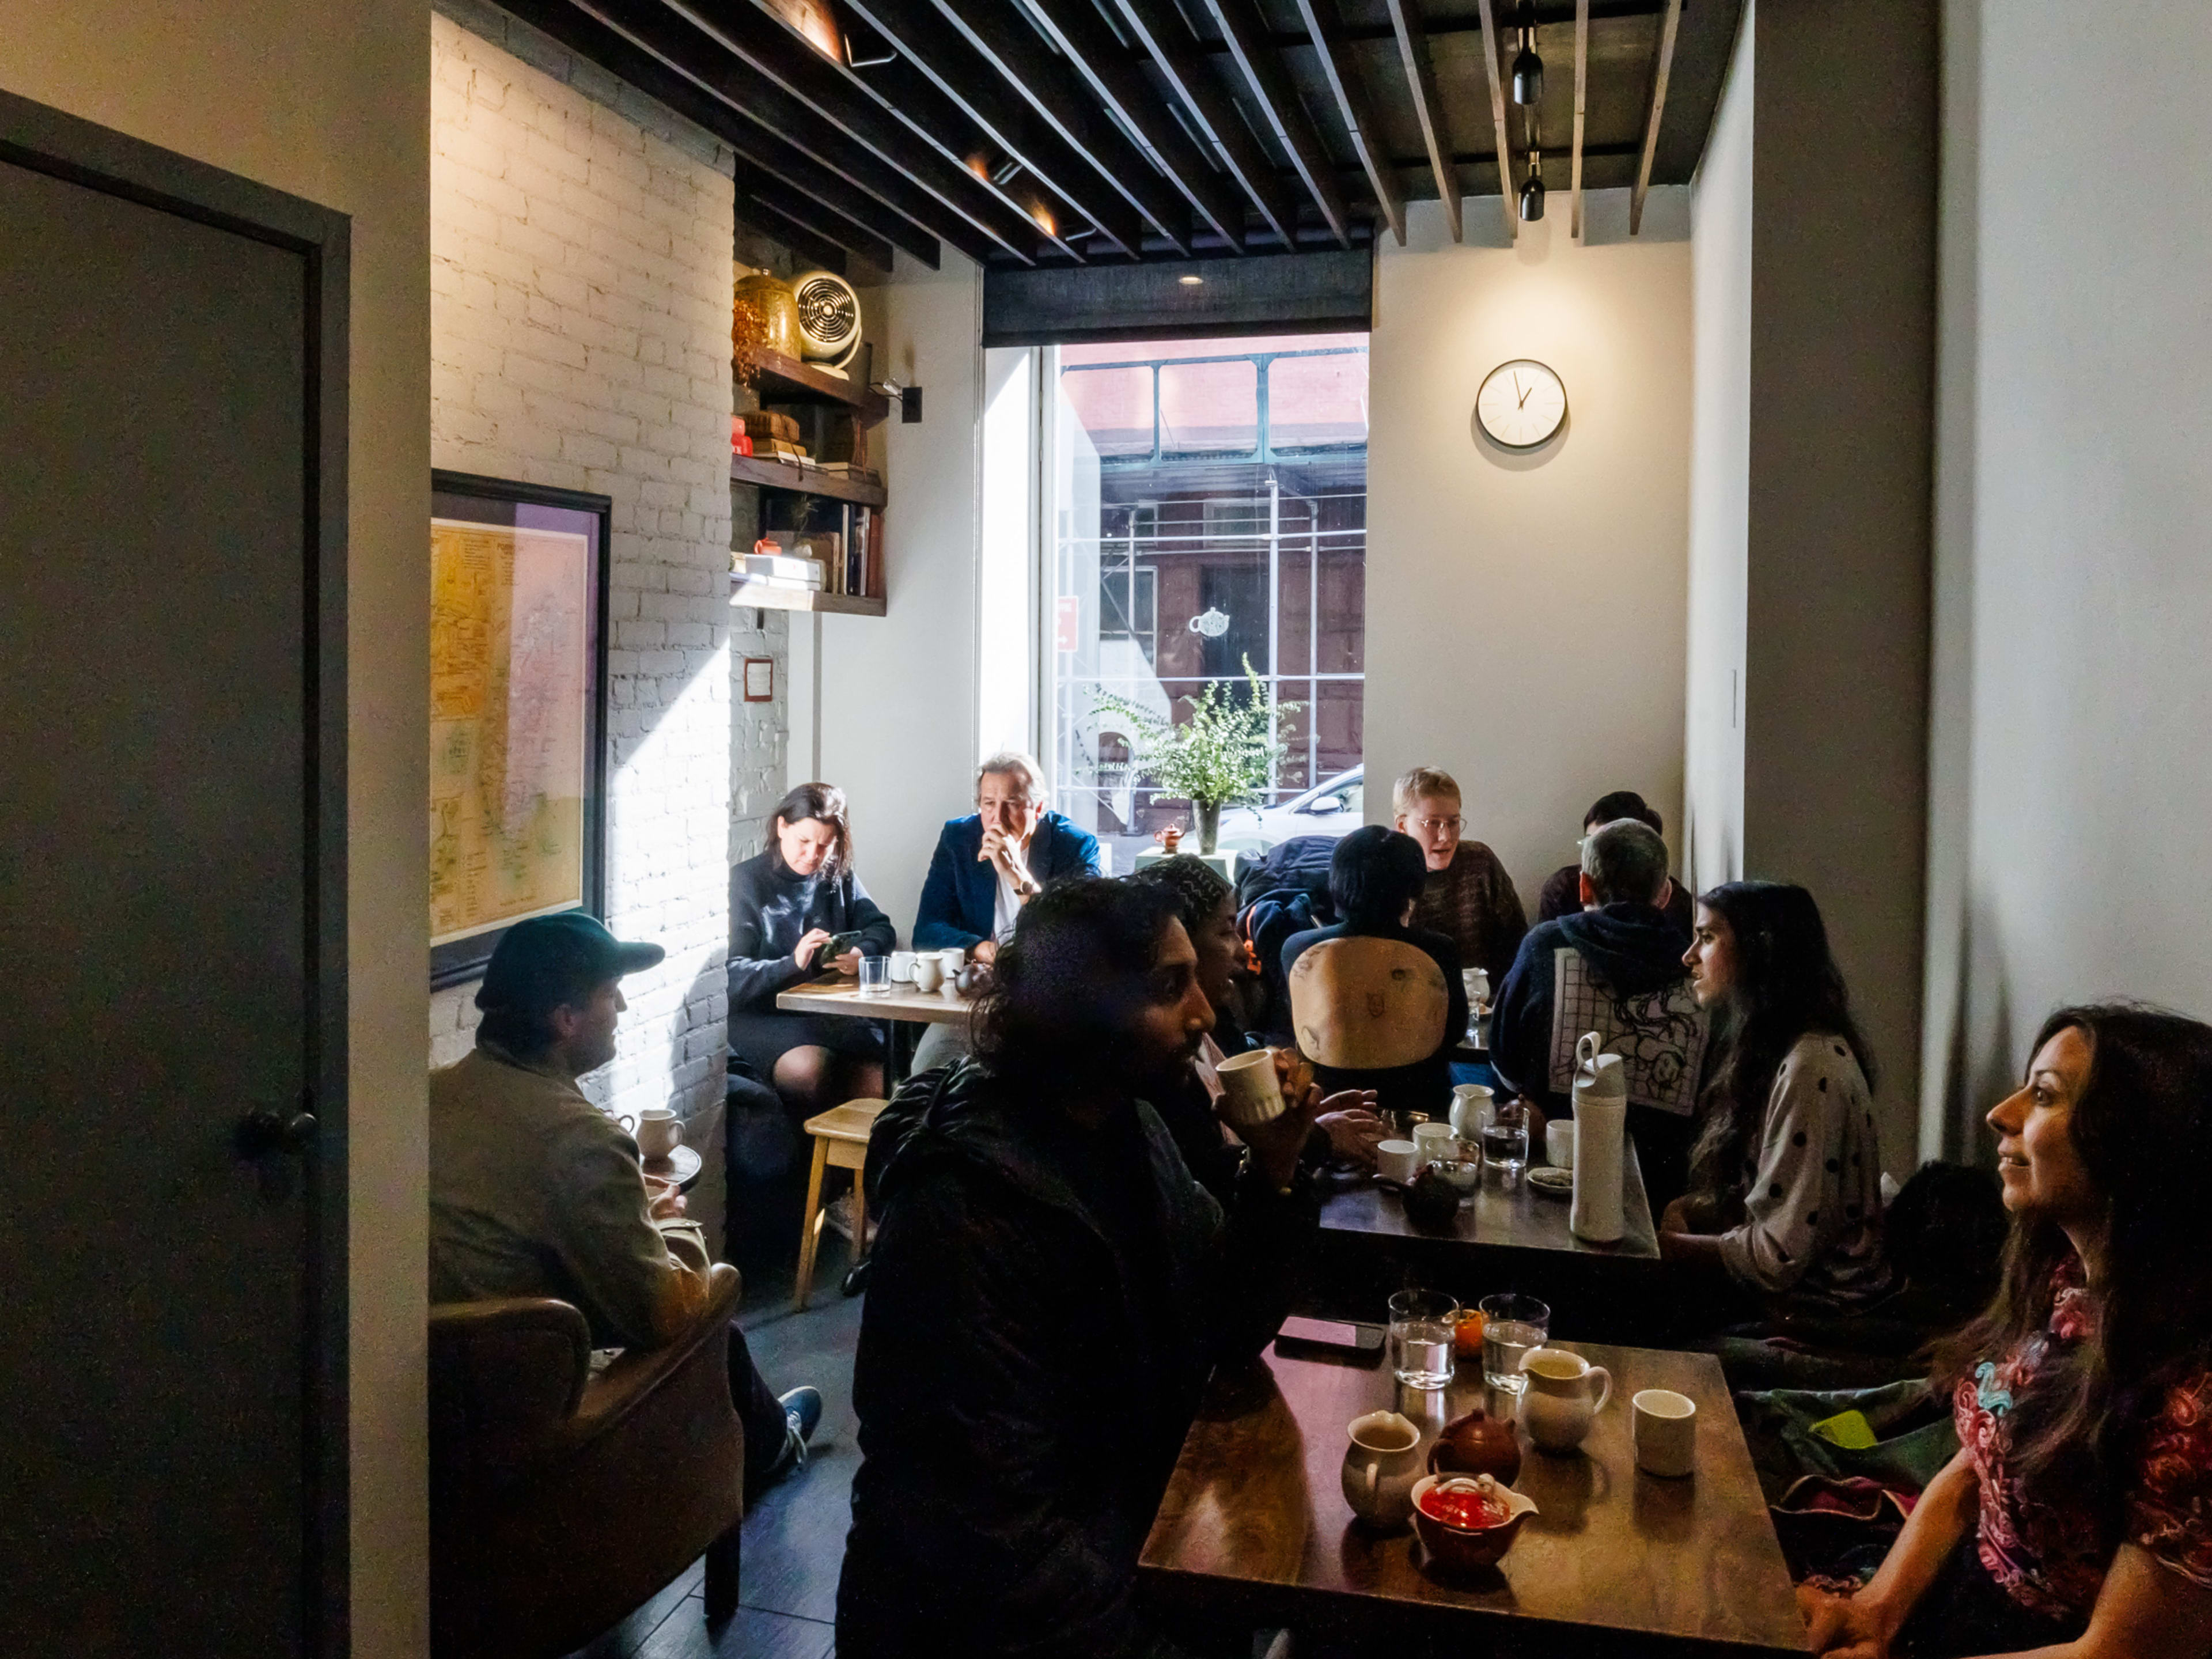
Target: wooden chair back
1367 1003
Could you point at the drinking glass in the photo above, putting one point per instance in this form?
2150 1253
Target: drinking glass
875 976
1505 1138
1422 1324
1511 1326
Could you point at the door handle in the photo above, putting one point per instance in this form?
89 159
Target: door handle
264 1132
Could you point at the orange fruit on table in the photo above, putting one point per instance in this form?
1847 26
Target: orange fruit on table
1467 1336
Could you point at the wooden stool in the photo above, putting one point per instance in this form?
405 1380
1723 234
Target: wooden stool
841 1140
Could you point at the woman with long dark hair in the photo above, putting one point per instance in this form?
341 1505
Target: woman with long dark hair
785 903
2077 1515
1785 1178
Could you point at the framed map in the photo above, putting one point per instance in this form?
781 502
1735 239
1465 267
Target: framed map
517 711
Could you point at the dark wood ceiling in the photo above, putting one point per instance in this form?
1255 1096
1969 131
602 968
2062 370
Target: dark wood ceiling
1040 132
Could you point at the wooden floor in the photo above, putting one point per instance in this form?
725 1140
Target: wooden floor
795 1538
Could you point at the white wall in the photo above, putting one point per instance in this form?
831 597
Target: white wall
2073 552
898 694
1711 848
1525 613
332 103
580 278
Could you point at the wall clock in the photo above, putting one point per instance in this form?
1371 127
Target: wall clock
1521 405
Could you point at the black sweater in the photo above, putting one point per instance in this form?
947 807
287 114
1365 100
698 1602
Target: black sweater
770 909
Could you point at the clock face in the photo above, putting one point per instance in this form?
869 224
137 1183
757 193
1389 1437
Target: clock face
1521 405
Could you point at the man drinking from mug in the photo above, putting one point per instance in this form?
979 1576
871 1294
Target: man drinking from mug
1050 1288
534 1191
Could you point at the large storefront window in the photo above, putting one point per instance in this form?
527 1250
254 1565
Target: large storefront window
1207 504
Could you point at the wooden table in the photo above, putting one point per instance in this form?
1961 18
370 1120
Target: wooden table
840 996
1254 1530
1508 1238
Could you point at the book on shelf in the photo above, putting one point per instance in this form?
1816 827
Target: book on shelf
783 567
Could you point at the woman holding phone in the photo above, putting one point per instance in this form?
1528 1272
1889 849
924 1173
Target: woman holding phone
785 905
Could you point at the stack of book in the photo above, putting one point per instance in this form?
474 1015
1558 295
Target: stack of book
781 570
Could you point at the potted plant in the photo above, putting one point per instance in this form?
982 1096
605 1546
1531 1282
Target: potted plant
1225 755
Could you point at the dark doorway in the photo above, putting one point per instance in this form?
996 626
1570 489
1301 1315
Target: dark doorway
171 867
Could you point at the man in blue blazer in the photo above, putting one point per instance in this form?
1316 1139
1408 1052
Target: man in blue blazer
988 864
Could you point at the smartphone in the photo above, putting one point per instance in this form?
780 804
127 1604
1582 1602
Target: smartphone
1329 1336
835 946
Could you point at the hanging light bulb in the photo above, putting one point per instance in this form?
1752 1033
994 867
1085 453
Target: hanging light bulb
1528 67
1532 189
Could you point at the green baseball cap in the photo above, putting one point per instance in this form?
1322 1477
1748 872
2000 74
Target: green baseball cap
547 961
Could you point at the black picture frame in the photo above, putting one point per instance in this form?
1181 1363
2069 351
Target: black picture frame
482 499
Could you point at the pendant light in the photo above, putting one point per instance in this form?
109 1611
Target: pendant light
1532 188
1528 67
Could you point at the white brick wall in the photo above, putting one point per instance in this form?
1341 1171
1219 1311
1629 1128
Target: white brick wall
580 276
759 731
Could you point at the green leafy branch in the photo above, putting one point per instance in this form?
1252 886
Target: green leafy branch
1223 755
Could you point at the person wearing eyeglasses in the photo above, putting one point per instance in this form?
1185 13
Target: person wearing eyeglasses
1467 895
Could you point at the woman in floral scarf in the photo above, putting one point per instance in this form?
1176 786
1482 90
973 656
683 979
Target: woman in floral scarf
2076 1518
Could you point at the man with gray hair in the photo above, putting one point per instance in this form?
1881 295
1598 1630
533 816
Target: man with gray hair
990 863
1614 969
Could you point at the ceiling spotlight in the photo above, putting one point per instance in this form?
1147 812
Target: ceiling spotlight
1532 189
1189 281
1528 67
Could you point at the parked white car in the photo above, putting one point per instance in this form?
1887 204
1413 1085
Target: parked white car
1334 806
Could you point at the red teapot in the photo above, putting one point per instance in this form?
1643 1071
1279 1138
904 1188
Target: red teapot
1477 1443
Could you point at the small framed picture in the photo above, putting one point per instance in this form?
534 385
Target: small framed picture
760 679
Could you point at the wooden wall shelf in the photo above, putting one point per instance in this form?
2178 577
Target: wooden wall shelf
803 480
771 597
786 380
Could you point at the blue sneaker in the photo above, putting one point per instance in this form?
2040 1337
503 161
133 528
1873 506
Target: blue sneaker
802 1409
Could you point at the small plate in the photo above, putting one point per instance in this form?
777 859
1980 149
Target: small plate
1553 1183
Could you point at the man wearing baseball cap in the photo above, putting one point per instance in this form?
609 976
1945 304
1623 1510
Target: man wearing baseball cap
534 1191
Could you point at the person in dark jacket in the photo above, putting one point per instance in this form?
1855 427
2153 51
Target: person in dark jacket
1375 880
994 861
784 905
1050 1291
1561 895
1615 968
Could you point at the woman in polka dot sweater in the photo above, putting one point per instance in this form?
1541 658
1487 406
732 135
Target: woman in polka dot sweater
1785 1187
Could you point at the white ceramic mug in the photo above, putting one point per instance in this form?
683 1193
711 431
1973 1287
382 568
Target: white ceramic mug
954 959
927 973
1434 1140
1398 1160
660 1132
1251 1092
1556 1408
1666 1428
902 967
1381 1466
1559 1143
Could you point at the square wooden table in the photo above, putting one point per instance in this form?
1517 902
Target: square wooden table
1509 1237
1254 1530
839 995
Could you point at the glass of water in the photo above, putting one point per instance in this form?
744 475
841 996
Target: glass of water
1423 1325
1505 1138
1511 1326
875 976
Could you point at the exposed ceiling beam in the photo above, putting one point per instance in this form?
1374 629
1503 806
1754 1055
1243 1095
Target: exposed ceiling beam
1582 91
971 83
887 109
779 58
1444 28
1165 34
862 190
1421 83
1658 108
1058 93
1321 19
1497 120
1243 27
795 234
1112 72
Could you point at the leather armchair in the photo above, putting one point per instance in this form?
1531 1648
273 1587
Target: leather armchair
561 1502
